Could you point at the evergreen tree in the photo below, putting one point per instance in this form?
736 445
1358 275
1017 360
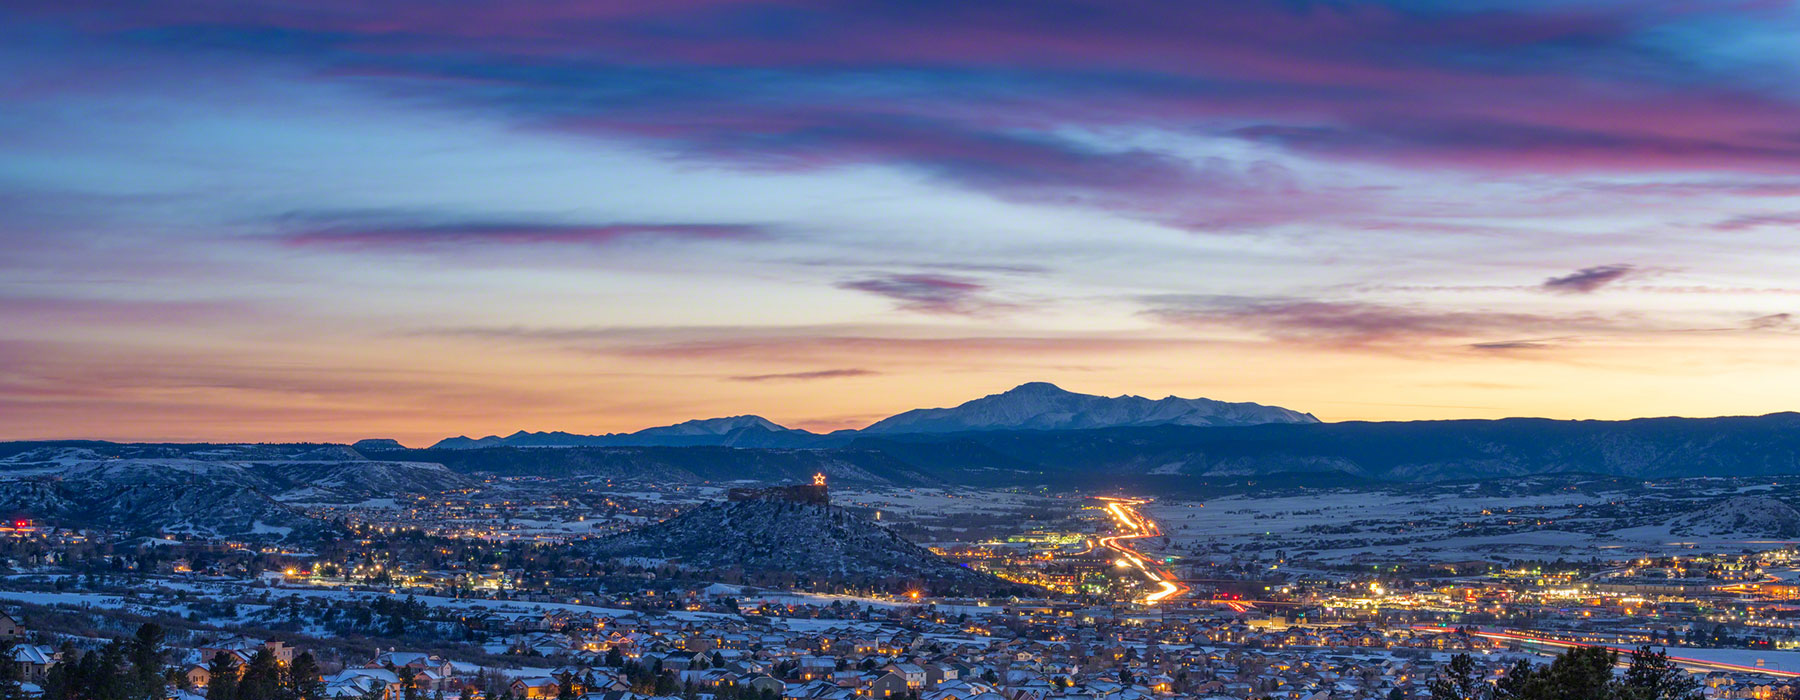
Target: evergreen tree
1582 673
304 682
62 683
10 674
146 654
261 679
1517 683
224 678
1652 676
110 679
1457 680
409 683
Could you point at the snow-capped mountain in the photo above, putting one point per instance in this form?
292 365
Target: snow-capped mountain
731 431
714 426
1044 406
1032 406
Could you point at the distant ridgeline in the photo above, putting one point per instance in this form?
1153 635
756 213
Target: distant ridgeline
813 493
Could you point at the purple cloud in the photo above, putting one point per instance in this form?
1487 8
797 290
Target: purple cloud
1589 279
984 96
1506 345
1351 322
930 294
435 236
1772 322
1752 221
805 376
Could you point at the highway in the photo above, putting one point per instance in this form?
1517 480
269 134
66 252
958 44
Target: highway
1526 638
1135 526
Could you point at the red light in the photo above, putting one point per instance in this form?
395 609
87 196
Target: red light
21 523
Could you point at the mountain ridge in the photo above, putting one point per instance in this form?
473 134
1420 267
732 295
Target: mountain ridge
1028 406
1045 406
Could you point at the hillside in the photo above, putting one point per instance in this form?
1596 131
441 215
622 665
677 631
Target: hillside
818 544
678 464
202 490
1741 516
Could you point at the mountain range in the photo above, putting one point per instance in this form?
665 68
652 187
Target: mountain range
1030 406
1181 459
264 489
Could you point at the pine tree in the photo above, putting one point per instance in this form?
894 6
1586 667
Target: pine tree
262 678
1518 682
1652 676
409 683
89 676
10 674
224 678
62 682
146 654
1458 680
1580 674
110 678
304 681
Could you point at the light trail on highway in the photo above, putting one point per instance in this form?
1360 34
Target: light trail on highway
1124 510
1511 636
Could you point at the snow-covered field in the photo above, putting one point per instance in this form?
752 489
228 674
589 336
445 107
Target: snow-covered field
1462 522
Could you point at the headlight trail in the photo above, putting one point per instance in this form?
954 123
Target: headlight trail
1124 510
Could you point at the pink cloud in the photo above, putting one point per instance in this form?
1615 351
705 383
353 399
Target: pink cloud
455 235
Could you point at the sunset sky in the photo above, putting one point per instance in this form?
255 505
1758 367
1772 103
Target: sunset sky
328 220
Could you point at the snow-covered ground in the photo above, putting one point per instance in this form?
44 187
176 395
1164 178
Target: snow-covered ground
1461 523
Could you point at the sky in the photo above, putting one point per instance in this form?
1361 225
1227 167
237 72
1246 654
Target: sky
246 220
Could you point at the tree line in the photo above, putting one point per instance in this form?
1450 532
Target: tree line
1581 673
129 669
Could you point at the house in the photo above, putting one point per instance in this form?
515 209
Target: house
816 667
679 661
10 627
35 661
888 685
763 682
430 673
914 674
360 683
536 688
242 648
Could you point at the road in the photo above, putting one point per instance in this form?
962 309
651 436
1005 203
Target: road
1135 526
